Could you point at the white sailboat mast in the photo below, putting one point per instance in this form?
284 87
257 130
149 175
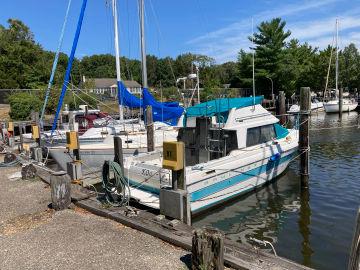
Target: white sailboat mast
117 55
337 56
142 44
253 58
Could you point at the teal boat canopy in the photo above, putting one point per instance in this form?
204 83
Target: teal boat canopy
221 105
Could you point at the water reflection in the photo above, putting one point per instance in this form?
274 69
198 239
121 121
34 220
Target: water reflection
304 223
313 227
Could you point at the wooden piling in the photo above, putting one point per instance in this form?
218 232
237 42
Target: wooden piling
60 190
305 107
340 102
282 107
119 158
207 249
21 148
354 259
71 121
150 129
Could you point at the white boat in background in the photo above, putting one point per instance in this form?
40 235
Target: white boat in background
348 105
315 106
224 158
94 152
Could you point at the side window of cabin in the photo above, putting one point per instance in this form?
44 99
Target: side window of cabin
258 135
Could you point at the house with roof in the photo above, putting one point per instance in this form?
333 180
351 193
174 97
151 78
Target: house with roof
108 86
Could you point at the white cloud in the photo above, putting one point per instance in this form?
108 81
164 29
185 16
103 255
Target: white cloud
224 43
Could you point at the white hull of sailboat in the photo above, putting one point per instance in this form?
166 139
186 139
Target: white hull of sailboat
333 106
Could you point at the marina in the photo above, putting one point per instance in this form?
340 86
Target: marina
246 164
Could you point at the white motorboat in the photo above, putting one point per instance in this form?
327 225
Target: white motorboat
315 106
231 148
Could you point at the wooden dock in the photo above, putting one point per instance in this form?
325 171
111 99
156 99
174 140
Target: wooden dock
238 256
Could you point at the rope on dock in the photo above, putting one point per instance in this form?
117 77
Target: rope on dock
117 189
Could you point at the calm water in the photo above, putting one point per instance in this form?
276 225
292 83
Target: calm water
313 228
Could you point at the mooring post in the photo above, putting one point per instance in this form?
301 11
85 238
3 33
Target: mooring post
207 249
305 106
21 137
340 103
60 190
354 259
74 168
10 133
119 158
71 121
281 110
150 129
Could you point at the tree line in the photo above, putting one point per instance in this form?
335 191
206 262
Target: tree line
289 63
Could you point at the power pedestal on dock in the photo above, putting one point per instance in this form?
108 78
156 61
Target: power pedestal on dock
174 201
175 204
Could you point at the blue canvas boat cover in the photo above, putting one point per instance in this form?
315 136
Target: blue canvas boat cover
161 112
221 105
126 98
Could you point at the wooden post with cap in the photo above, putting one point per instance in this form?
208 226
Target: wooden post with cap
305 106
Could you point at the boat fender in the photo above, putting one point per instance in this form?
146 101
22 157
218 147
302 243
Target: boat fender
274 157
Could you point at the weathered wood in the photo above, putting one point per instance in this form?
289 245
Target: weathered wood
282 107
150 129
207 249
305 107
354 259
28 171
21 138
9 157
60 190
340 102
71 121
119 158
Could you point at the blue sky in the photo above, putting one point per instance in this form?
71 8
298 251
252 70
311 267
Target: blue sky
212 27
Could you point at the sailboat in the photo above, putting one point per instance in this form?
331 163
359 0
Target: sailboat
332 106
97 143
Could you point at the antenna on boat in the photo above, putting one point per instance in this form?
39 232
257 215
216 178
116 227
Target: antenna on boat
253 59
117 58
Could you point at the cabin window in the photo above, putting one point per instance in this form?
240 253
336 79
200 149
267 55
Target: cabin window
258 135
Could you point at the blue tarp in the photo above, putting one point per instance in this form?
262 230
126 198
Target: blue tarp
221 105
161 112
126 98
164 112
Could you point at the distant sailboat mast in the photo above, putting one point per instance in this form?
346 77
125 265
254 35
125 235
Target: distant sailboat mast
117 58
337 57
253 58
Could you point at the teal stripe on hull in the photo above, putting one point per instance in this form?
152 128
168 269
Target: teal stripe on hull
209 190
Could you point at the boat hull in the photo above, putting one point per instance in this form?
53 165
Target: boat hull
92 159
333 106
212 183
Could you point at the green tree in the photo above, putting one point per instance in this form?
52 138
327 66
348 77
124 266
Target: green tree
21 105
269 47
